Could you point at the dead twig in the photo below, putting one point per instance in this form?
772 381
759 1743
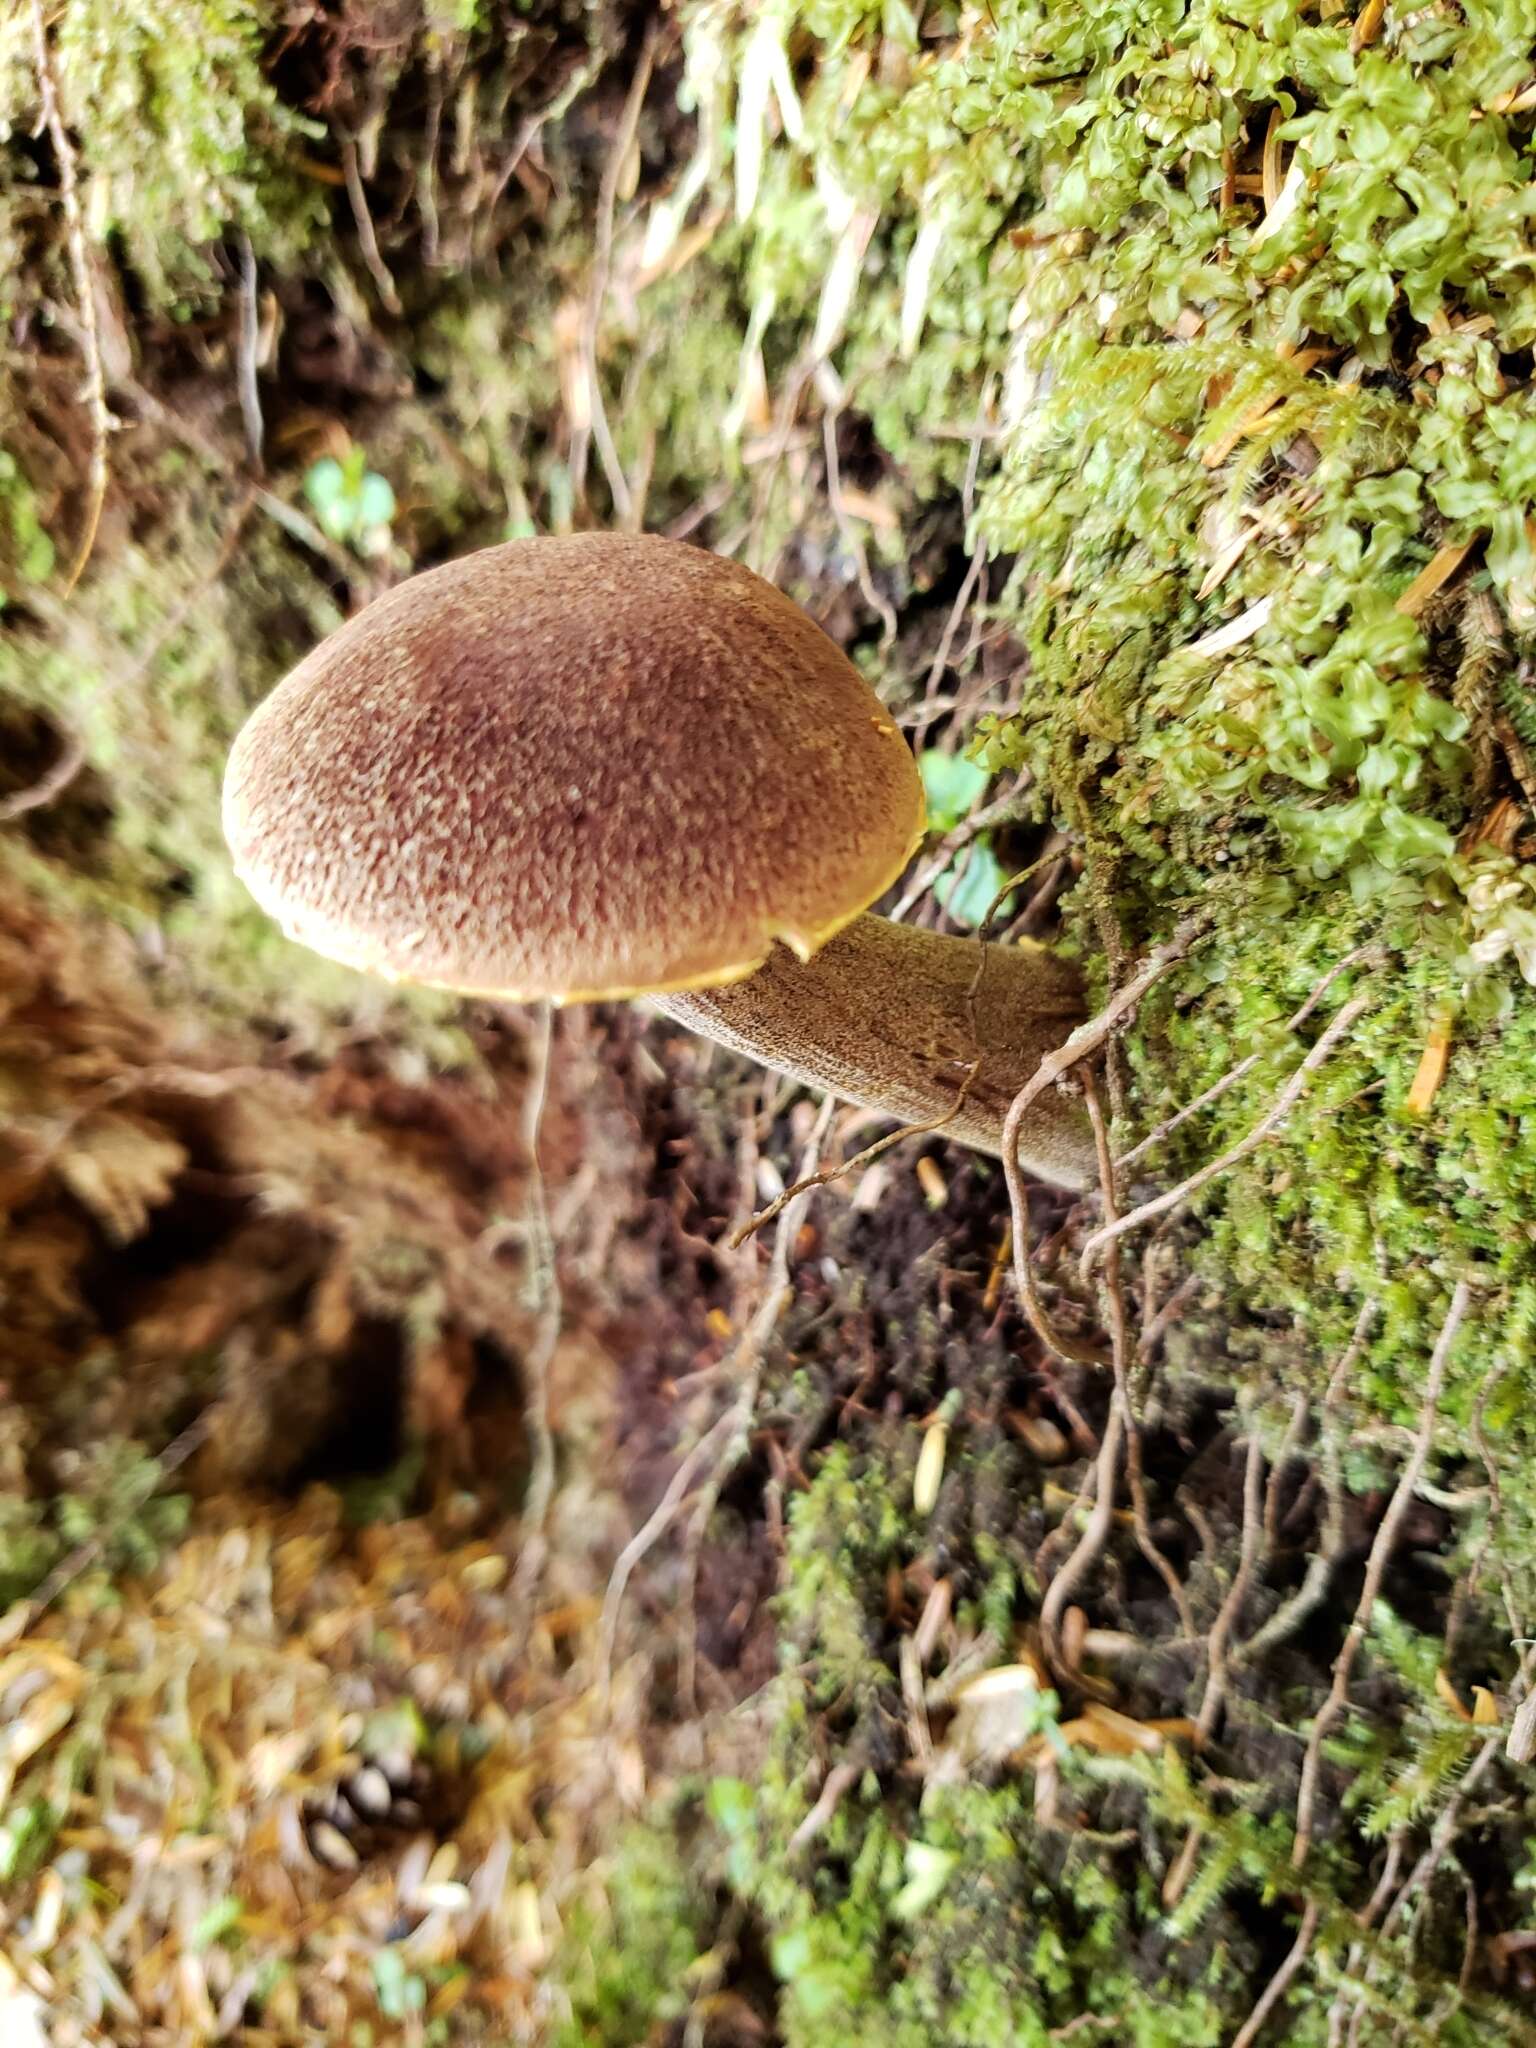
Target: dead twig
646 1538
727 1435
1519 760
1073 1349
835 1785
1339 2012
1283 1456
296 524
919 1734
54 780
1417 1882
1467 1586
963 595
1375 1569
1091 1542
1088 1037
743 1303
367 240
1232 1607
1265 1128
1160 1324
999 811
85 291
746 1401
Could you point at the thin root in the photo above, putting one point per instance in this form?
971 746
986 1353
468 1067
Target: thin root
1375 1569
1086 1039
828 1174
1120 1359
1267 1125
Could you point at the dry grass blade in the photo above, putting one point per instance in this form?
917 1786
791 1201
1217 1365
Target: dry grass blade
1222 639
1304 360
1367 26
613 173
1272 175
1434 575
1431 1068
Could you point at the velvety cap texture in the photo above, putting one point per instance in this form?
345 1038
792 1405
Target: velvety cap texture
569 768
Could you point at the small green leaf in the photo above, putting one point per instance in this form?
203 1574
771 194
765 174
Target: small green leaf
324 483
952 785
732 1805
968 887
375 501
791 1954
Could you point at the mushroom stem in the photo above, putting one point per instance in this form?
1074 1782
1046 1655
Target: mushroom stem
883 1015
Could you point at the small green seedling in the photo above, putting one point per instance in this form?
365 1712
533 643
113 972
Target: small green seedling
352 502
968 887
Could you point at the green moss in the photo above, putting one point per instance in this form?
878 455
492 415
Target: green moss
181 135
107 1496
629 1958
945 1906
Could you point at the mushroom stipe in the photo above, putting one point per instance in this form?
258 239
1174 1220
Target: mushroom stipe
602 766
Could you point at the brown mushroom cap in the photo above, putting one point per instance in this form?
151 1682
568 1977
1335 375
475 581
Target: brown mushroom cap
572 767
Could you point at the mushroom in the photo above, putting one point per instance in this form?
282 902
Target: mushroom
606 766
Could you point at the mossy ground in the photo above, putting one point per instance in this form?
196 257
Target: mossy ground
1143 393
